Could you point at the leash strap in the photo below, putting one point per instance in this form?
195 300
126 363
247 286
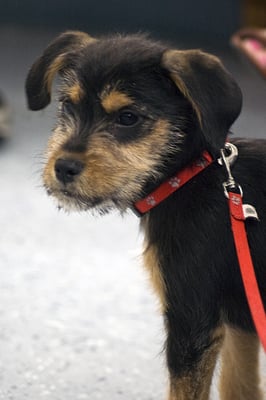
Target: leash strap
239 212
246 266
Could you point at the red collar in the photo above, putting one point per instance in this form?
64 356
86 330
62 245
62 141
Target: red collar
172 184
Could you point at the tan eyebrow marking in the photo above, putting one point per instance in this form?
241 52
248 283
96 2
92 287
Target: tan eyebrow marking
115 100
75 93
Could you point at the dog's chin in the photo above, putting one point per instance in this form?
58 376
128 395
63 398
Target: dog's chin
70 202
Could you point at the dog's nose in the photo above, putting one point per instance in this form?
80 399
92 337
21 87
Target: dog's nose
66 170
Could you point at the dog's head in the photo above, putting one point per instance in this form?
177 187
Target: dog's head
131 112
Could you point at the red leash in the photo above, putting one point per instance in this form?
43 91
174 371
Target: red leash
239 212
246 266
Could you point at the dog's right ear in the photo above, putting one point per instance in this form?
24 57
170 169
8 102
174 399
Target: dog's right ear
211 90
55 59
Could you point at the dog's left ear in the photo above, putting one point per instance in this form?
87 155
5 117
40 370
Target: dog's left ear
56 58
214 95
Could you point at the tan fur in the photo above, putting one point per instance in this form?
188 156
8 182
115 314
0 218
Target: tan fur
170 60
115 100
196 384
52 70
59 62
151 263
176 61
240 366
109 167
75 93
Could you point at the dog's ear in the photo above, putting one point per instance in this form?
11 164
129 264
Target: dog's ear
211 90
55 59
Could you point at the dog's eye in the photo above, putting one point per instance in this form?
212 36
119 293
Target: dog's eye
127 118
67 106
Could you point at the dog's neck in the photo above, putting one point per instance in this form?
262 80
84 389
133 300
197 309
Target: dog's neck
172 184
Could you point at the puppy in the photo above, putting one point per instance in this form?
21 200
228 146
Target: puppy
132 113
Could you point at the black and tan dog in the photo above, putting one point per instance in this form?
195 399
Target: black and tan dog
132 112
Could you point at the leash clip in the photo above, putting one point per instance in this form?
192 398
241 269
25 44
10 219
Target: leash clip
228 156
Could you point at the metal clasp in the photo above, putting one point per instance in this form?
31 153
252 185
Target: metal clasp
228 156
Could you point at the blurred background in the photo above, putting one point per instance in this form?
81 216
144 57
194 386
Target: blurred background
78 319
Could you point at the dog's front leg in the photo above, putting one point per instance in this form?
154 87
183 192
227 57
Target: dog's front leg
191 366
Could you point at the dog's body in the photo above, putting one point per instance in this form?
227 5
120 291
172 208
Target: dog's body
132 113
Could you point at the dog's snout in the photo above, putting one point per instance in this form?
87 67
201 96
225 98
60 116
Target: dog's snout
66 170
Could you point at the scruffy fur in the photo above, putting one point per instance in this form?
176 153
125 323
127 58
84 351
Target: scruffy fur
131 113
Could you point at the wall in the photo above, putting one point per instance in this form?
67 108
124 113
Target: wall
211 18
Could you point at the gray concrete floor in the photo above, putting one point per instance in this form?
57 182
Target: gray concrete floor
78 318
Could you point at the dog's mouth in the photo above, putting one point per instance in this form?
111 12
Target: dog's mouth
70 200
67 193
